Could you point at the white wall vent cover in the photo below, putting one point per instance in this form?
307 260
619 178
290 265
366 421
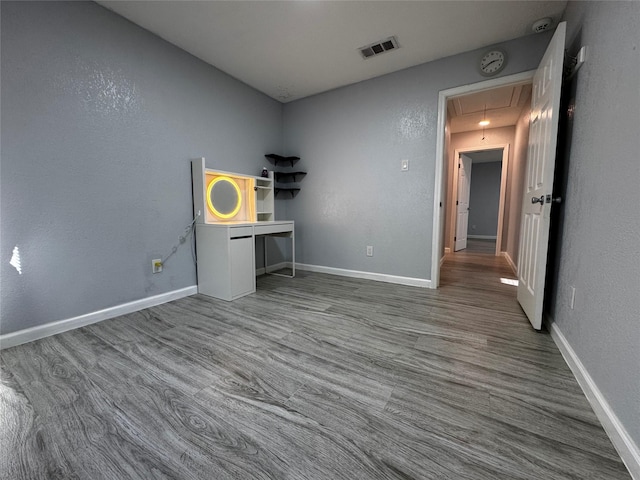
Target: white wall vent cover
377 48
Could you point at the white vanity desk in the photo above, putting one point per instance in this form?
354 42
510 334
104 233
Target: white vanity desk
227 257
233 209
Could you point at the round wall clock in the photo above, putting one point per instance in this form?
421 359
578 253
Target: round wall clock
492 62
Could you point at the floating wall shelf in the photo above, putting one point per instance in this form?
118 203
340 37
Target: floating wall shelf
288 177
279 159
292 191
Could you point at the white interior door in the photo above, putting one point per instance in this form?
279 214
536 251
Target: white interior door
462 203
536 205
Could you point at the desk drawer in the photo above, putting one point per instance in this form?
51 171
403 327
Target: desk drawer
269 229
237 232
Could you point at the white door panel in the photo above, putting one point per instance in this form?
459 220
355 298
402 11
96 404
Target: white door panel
543 133
462 205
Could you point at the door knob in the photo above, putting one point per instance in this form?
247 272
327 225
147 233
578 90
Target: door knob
540 200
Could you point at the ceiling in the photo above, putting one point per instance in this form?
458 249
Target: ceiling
293 49
500 106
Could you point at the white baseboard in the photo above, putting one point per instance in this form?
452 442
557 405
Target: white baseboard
483 237
41 331
624 444
379 277
510 262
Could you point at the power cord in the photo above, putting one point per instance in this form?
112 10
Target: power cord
181 239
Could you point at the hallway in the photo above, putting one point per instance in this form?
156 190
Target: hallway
476 245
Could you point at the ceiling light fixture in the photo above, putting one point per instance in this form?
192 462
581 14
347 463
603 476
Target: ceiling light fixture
484 121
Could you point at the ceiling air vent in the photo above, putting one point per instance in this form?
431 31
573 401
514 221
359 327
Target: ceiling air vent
377 48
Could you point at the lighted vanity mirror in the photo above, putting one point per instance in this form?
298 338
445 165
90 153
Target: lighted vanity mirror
224 197
229 197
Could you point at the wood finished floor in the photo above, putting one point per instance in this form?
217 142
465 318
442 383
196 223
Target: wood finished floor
479 245
317 377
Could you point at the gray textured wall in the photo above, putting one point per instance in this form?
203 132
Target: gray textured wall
351 141
484 198
515 186
99 121
597 248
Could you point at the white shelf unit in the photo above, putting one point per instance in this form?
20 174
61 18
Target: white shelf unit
255 195
265 199
231 219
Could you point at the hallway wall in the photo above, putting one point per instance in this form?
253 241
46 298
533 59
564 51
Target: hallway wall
484 198
515 186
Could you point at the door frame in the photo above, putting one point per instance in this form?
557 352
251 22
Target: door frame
439 202
503 188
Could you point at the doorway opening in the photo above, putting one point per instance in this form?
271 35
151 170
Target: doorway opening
448 152
479 192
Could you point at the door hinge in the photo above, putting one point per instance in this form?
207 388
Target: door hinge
458 165
456 202
455 238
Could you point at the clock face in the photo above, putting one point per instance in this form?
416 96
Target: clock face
492 62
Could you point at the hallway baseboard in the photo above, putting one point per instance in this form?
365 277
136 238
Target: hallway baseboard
510 262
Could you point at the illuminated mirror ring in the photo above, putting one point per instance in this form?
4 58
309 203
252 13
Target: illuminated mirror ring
236 209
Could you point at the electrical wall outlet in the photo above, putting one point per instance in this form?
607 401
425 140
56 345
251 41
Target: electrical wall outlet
404 165
369 250
156 265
